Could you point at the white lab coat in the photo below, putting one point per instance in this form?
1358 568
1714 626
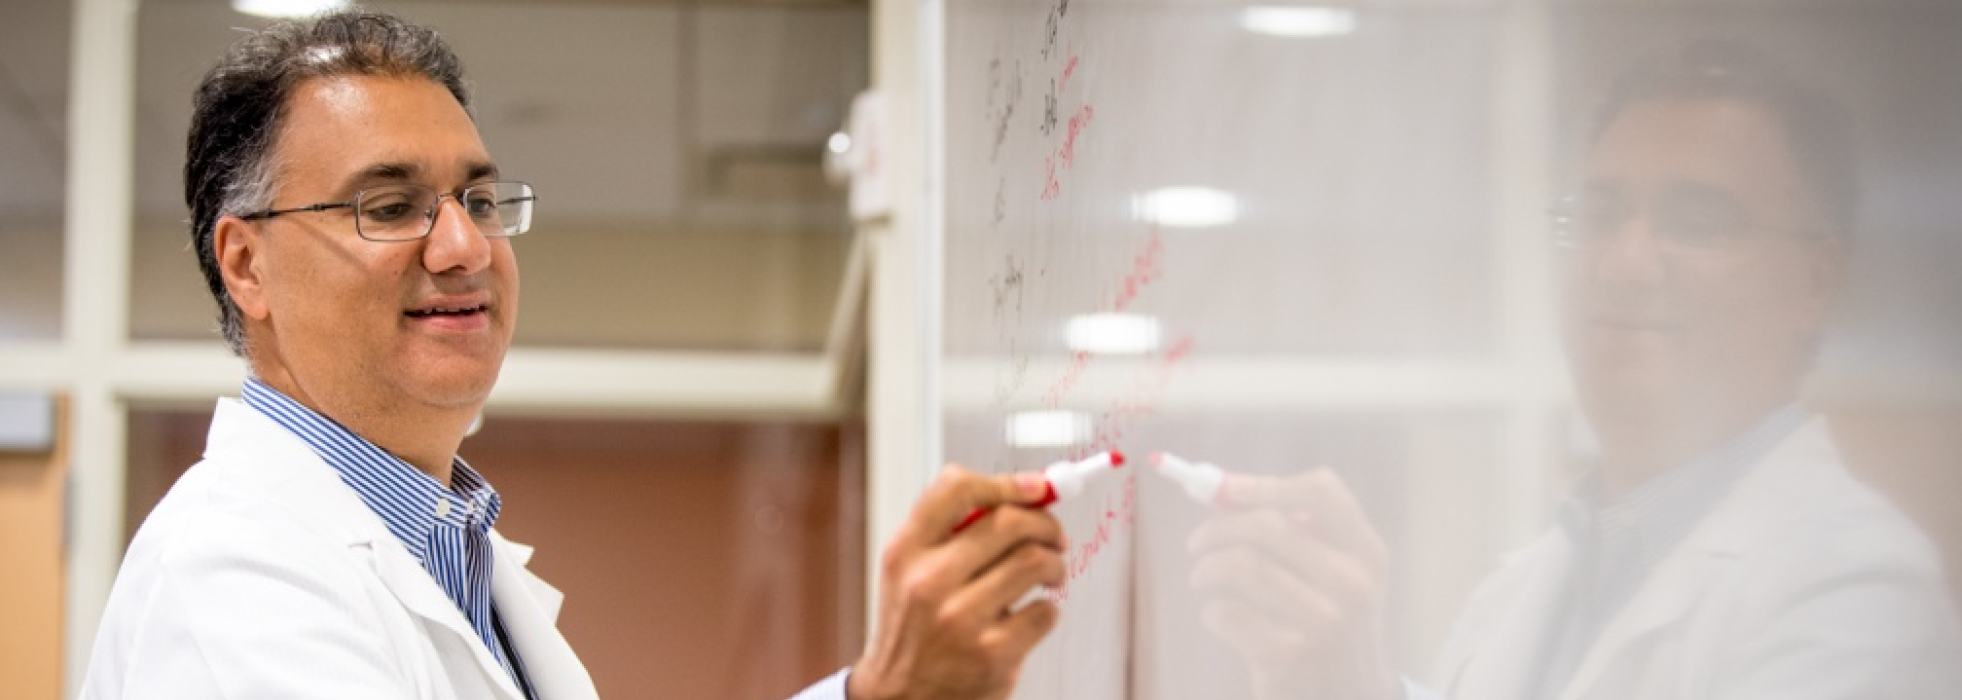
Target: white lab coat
262 575
1802 584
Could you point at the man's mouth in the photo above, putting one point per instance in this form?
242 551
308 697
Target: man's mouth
446 311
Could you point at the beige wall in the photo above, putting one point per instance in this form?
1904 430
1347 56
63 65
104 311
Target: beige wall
30 569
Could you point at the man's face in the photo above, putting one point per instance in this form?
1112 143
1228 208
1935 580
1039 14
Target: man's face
362 325
1699 277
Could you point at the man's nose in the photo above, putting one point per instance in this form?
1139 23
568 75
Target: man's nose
1631 253
454 242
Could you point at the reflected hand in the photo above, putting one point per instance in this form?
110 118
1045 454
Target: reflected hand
945 628
1293 576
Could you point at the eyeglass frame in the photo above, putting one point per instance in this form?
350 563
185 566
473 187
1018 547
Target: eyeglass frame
428 215
1562 214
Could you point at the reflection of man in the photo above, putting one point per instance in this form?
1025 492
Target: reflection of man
355 234
1719 549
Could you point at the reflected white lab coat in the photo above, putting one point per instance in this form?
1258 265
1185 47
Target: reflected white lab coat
1802 584
261 575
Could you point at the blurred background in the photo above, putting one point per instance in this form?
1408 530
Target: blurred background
721 364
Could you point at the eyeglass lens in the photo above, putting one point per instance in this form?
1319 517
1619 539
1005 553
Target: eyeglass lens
1690 221
404 212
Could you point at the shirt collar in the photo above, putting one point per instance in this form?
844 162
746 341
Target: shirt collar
1645 523
410 502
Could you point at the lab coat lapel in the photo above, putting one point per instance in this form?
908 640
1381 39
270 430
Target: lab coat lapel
1781 488
417 591
1498 653
529 608
290 472
1670 593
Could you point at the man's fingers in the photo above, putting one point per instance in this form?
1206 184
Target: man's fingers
994 536
1006 581
954 495
1274 536
1321 499
1253 633
929 578
1243 575
1010 640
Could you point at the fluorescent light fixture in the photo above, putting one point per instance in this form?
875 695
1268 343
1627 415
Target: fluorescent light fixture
1035 429
288 8
1186 207
1298 21
1112 334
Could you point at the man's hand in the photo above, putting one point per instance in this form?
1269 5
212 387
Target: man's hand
945 628
1293 576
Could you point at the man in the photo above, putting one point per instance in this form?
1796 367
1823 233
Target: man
356 236
1718 549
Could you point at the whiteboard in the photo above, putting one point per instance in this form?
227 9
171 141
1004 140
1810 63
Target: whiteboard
1281 236
1311 239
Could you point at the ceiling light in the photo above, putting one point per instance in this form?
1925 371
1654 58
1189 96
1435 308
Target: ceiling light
288 8
1186 207
1037 429
1112 334
1298 21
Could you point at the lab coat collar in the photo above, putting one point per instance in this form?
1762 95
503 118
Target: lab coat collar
291 473
530 608
1787 486
1502 647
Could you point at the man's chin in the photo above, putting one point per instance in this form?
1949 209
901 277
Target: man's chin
458 385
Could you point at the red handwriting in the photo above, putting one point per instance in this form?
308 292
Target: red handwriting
1122 515
1069 68
1140 402
1079 361
1066 153
1050 186
1147 267
1077 123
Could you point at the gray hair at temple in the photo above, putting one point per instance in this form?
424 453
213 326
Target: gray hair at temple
239 106
1815 127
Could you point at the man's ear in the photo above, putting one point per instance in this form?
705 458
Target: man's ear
237 245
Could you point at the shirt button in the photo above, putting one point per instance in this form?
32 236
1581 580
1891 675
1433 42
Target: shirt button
442 507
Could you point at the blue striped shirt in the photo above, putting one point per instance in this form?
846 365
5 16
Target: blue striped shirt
446 529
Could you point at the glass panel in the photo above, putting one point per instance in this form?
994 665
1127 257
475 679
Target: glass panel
33 159
1274 237
676 152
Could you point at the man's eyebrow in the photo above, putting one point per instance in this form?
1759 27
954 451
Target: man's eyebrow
479 171
380 172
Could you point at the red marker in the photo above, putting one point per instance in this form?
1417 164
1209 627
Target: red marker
1063 481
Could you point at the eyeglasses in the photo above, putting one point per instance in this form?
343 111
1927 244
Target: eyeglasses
1690 223
408 212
